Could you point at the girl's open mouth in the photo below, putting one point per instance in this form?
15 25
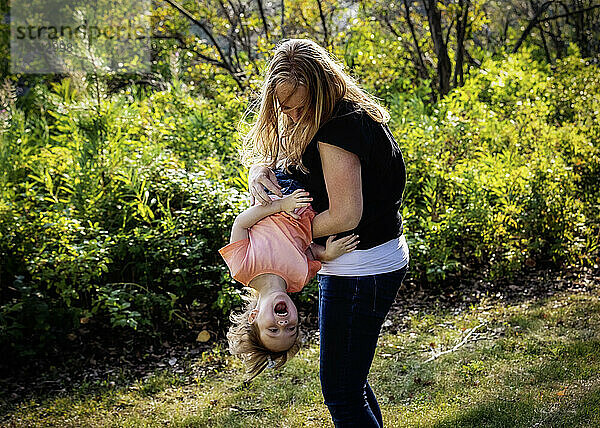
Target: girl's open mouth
281 309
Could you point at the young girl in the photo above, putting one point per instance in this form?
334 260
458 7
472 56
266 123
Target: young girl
270 252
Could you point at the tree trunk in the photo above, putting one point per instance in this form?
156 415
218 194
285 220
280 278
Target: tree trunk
444 67
460 42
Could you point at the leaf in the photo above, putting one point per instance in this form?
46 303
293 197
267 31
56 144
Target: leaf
203 336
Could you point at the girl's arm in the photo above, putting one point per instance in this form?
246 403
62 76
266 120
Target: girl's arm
334 249
249 217
342 173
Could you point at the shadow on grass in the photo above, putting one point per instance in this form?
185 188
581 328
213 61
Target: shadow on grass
513 413
573 366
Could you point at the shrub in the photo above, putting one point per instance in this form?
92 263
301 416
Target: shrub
495 180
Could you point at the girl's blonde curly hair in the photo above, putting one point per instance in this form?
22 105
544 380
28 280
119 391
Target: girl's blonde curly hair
273 139
244 340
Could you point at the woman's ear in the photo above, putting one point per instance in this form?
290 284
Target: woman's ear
252 316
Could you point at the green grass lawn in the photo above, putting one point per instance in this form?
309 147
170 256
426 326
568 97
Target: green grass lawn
529 364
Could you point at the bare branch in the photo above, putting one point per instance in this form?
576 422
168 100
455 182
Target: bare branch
448 32
264 19
324 23
199 24
532 23
535 20
439 354
574 12
235 74
414 36
546 50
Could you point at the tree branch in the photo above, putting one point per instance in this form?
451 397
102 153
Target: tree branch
199 24
264 19
460 42
532 23
564 15
546 50
323 22
283 18
439 354
535 20
224 65
415 40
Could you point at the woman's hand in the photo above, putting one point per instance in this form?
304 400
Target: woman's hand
260 177
334 249
300 198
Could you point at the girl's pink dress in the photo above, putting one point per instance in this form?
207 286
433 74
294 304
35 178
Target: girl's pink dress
277 244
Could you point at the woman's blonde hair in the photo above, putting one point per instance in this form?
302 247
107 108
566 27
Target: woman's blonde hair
273 136
244 340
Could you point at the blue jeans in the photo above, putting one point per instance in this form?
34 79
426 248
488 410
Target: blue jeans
351 312
287 182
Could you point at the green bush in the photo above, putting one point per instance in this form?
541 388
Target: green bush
99 217
140 277
113 207
496 176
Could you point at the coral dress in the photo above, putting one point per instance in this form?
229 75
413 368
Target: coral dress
277 244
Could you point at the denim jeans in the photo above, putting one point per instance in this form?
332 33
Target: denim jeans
287 182
351 312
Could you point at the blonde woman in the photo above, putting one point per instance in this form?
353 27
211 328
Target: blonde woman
315 121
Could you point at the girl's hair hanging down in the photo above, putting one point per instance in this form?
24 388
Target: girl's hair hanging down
273 139
244 340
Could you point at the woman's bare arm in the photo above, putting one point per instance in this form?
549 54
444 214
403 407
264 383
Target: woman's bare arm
342 173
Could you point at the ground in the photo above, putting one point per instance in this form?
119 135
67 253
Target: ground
518 353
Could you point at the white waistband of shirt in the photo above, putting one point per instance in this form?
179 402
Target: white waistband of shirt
387 257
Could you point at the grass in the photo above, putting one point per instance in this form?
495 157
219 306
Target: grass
531 364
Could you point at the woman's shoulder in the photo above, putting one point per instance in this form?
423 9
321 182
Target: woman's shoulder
345 108
346 116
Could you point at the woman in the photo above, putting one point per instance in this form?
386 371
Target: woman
315 121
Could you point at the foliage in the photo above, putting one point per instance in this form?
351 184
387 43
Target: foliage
496 175
113 206
106 212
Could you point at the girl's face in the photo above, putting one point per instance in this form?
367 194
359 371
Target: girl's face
291 102
276 317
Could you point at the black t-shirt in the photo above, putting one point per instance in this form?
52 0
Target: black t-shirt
382 170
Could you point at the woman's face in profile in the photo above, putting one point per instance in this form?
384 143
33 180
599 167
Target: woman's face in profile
291 102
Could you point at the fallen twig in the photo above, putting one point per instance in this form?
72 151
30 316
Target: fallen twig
435 356
240 409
